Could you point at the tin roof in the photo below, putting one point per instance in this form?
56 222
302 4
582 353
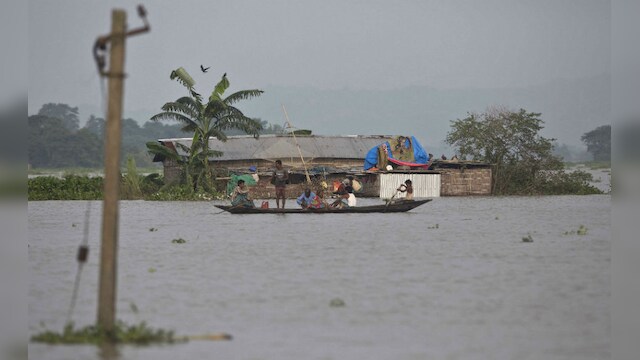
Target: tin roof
284 146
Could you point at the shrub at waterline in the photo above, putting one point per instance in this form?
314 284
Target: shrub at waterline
70 187
133 187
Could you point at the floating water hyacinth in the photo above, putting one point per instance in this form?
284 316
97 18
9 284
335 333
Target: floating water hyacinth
337 302
527 239
139 334
582 230
179 241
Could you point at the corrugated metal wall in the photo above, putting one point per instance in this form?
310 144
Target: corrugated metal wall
424 185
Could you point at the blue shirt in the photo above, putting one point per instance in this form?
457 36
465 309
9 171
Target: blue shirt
306 199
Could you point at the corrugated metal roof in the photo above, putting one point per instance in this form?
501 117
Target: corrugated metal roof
282 146
424 185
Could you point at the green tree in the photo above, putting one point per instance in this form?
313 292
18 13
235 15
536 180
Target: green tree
51 144
64 112
95 125
598 142
207 119
523 161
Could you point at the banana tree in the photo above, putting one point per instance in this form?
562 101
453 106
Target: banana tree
207 120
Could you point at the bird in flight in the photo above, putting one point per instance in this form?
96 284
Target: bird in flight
204 69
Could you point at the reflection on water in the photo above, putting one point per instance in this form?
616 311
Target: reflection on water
109 351
451 279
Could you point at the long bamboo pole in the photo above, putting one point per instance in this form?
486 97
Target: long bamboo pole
109 246
306 172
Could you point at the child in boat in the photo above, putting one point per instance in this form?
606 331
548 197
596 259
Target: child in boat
240 196
408 188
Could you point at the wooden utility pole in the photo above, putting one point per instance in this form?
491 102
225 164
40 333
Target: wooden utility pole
108 251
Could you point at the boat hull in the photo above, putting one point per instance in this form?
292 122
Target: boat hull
400 206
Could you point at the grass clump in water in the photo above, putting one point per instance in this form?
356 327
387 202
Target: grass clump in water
178 241
139 334
582 230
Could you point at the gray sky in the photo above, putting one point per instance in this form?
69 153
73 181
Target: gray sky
345 44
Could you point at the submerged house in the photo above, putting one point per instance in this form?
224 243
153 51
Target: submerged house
328 160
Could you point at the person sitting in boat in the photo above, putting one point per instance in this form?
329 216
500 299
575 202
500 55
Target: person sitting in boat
342 201
318 201
305 199
342 187
240 196
408 188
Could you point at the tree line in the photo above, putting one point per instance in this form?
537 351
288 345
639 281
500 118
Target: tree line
56 139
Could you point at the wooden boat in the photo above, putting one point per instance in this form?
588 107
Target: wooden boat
392 207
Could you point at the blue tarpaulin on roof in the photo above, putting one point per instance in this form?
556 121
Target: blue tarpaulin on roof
419 156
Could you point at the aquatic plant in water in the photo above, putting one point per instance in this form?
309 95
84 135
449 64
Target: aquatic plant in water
582 230
139 334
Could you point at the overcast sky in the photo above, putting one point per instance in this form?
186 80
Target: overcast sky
325 44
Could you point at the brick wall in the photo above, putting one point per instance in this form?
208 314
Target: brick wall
465 181
171 171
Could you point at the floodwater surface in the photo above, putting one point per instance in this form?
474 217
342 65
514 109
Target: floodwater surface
451 279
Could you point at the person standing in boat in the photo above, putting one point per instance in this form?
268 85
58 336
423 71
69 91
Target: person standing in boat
279 179
408 188
240 196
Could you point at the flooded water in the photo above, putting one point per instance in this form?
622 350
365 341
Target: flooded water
451 279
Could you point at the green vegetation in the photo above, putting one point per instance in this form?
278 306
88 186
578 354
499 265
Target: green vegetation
139 334
204 120
178 241
582 230
70 187
598 142
56 141
523 161
133 187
